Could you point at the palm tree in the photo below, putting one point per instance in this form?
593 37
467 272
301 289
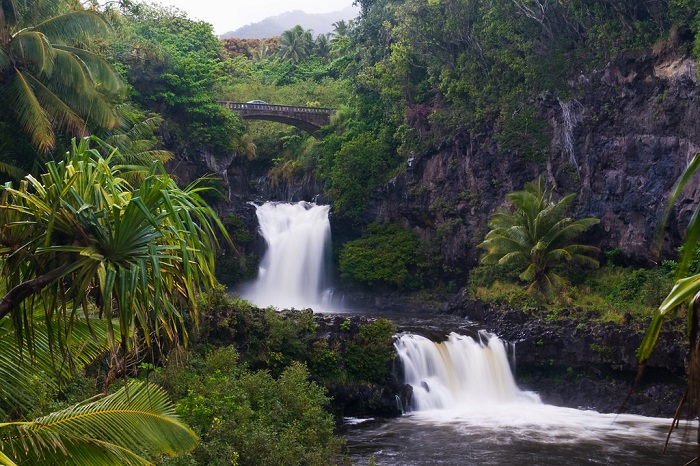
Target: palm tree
534 236
322 46
115 430
686 291
340 37
47 80
342 28
133 142
57 362
81 240
295 44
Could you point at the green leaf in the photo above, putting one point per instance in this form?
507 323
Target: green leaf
137 420
650 338
684 290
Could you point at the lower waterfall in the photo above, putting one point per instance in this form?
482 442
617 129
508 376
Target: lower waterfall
460 371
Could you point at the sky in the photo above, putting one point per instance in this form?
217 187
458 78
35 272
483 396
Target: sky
228 15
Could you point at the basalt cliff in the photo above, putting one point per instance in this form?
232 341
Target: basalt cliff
620 143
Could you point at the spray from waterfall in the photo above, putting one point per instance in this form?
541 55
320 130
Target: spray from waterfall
293 272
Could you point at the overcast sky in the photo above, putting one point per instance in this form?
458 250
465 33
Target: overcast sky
227 15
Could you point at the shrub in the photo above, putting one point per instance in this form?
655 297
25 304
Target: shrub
251 418
369 355
385 254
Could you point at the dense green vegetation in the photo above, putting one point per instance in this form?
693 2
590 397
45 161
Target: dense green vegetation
385 254
246 417
99 244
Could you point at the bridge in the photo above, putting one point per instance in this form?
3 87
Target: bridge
310 119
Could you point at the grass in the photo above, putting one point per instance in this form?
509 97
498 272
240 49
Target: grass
608 294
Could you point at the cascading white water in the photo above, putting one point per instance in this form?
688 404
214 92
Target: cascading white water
571 116
292 272
458 372
467 409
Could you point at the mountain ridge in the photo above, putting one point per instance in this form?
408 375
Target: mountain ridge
319 23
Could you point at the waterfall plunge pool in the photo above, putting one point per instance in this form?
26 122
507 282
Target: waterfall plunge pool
467 410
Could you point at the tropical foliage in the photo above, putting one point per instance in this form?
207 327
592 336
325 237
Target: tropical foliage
121 429
48 80
686 291
251 418
80 244
386 254
295 44
48 364
534 236
173 65
81 240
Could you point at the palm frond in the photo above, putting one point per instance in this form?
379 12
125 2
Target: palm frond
54 364
77 26
29 112
5 460
11 170
137 420
61 114
33 48
529 273
101 72
5 61
76 88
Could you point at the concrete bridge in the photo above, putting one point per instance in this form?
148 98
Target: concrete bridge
310 119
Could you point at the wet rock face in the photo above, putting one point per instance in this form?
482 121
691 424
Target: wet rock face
620 144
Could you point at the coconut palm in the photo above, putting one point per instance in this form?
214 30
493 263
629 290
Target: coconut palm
119 429
54 364
133 142
47 80
295 44
535 236
686 291
80 237
322 45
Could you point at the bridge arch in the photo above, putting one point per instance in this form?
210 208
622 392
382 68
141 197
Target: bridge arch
309 119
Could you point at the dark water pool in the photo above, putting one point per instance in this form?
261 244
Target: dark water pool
549 436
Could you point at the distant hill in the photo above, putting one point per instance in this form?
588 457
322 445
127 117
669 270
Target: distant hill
319 23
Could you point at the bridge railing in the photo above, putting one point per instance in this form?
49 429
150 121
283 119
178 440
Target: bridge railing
238 106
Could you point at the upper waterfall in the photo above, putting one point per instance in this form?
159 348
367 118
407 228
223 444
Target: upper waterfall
292 272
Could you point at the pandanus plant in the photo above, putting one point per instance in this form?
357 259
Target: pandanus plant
87 257
685 291
81 238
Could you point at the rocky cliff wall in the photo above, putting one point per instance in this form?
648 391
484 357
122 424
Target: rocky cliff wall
620 143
